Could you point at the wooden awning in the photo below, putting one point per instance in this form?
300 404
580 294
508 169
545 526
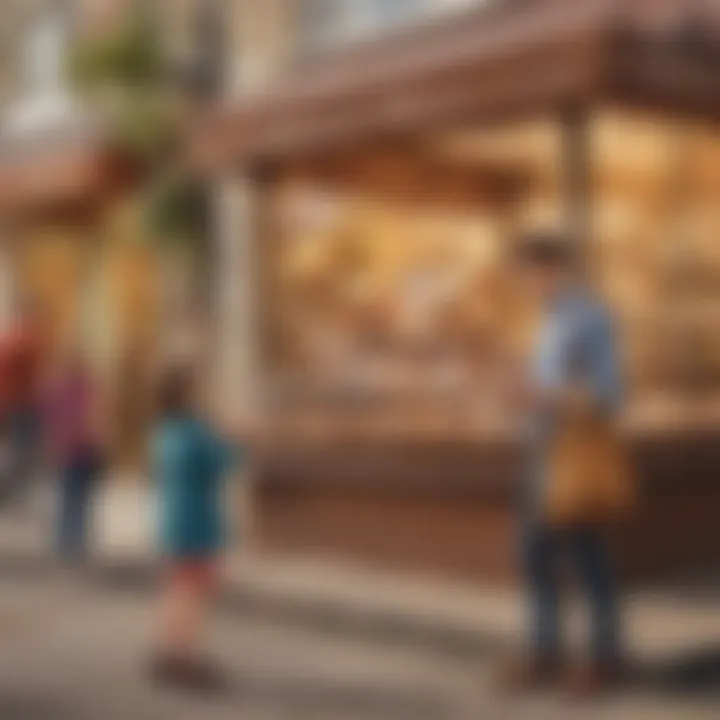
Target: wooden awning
62 177
511 59
515 56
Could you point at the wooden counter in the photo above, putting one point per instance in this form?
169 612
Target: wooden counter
450 508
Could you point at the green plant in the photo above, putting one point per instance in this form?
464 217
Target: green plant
177 210
126 73
129 55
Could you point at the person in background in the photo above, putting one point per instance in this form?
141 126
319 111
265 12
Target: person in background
190 461
73 424
575 343
20 380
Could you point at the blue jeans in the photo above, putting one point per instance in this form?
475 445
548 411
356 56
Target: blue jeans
543 549
77 481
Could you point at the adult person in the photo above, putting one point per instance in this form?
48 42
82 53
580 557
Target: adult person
574 356
20 381
74 429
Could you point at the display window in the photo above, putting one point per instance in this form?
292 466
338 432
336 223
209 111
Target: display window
656 258
394 294
395 290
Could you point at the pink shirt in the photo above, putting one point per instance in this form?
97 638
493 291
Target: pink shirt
68 415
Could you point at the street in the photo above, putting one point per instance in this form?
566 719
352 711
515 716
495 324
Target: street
78 651
75 653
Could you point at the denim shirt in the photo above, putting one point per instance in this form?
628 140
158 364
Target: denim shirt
576 344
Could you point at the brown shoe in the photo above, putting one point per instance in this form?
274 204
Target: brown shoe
164 668
592 680
187 673
529 674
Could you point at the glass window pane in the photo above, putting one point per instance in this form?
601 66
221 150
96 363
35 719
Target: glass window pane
394 289
657 186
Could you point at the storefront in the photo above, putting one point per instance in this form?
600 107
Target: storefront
391 183
70 245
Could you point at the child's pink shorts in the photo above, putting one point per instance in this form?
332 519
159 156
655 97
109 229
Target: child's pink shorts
201 574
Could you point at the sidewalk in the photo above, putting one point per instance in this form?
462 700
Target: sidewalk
454 617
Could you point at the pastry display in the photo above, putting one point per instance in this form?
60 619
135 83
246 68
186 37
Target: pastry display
396 314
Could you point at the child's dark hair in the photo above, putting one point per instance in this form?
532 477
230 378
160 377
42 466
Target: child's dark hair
546 249
175 392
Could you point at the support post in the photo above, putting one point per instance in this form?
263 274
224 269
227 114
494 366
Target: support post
577 174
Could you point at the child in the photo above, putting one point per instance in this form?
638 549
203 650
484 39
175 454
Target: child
190 461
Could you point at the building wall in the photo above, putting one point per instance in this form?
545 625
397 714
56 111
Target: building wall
16 17
326 24
265 38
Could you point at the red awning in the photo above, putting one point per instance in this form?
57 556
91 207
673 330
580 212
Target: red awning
61 177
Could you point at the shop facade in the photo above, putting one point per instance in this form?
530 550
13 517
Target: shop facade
70 247
378 197
73 233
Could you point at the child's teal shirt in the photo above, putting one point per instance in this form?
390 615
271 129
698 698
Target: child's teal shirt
190 462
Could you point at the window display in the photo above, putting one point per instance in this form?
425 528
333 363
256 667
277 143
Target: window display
656 185
393 308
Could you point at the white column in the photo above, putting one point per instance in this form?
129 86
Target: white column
239 373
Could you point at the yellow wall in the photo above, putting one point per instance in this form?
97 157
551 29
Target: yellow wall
97 289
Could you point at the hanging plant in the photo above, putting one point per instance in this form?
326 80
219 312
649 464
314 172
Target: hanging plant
127 75
128 55
146 128
178 210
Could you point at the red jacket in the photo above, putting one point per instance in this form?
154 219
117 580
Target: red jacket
19 368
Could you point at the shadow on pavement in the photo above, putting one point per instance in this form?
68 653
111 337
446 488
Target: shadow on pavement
695 674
